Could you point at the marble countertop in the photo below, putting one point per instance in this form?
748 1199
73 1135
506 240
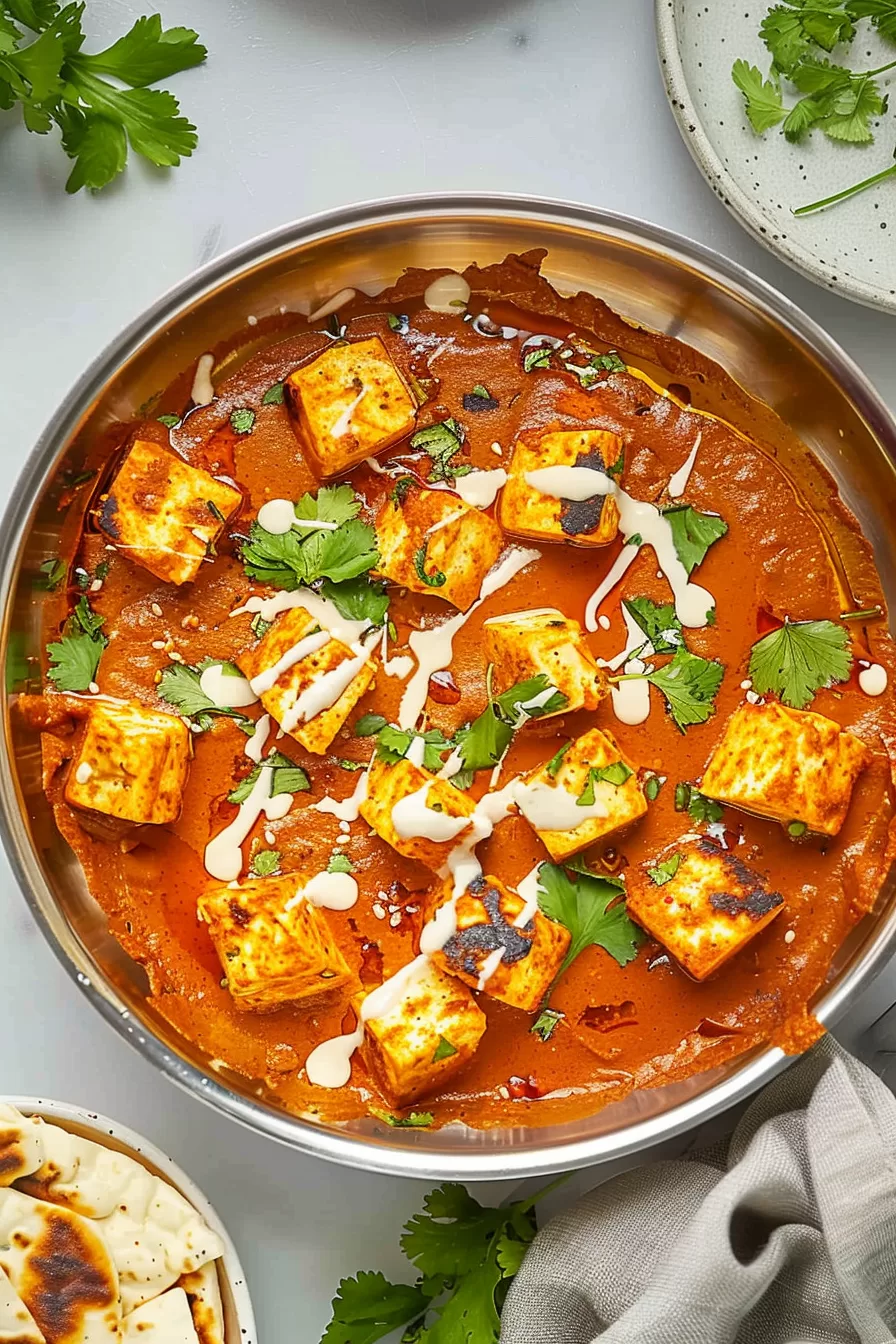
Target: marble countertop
304 105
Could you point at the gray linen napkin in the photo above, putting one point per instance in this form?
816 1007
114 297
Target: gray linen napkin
791 1238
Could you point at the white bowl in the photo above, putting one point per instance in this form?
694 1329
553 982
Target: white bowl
239 1319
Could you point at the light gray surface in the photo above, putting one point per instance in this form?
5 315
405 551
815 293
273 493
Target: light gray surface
308 104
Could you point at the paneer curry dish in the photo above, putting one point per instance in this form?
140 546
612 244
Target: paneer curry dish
466 705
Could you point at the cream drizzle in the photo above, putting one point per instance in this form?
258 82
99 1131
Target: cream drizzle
223 854
254 748
550 807
332 891
325 690
873 679
332 305
325 612
345 809
576 483
480 488
202 393
343 425
433 649
277 516
414 819
400 665
631 699
265 680
528 890
678 481
225 690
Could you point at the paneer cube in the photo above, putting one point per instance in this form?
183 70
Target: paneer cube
523 644
275 947
131 763
710 907
407 1048
788 765
593 792
433 532
350 403
420 816
306 680
165 514
493 951
526 511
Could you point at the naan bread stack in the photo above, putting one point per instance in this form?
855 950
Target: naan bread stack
95 1249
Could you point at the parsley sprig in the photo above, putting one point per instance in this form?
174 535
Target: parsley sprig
44 68
75 657
466 1255
799 659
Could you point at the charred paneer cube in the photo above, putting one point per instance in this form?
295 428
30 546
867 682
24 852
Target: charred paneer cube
527 509
786 764
578 797
275 947
702 903
431 542
349 403
501 945
523 644
165 514
131 763
428 1031
420 816
307 680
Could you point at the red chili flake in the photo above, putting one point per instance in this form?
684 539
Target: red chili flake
667 900
443 688
524 1089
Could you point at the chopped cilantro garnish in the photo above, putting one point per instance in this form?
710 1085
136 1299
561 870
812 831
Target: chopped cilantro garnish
52 573
554 764
291 559
358 599
616 773
444 1050
592 909
697 805
689 683
180 688
480 399
442 442
287 778
393 744
398 322
369 725
169 421
665 871
340 863
401 489
243 420
652 786
799 659
416 1120
484 742
693 533
75 658
659 623
265 863
537 357
273 396
259 626
546 1024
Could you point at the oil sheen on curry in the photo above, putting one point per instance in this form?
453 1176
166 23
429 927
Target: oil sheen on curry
460 703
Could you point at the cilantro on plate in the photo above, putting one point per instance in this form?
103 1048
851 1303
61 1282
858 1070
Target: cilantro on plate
442 442
693 533
340 863
265 863
393 744
484 742
287 778
689 683
592 908
75 657
799 659
665 871
659 623
698 807
616 774
180 688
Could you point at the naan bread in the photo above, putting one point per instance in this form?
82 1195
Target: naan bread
17 1325
20 1147
164 1320
204 1292
75 1172
60 1266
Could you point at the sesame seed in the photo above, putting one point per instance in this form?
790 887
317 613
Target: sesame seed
93 688
378 910
158 643
343 839
504 1092
497 449
156 609
789 936
96 585
270 837
175 656
395 920
252 320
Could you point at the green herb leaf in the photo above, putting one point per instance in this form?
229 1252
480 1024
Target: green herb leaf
852 111
444 1050
652 786
273 396
537 357
556 760
147 53
340 863
442 442
546 1024
665 871
451 1237
416 1119
693 533
259 626
302 556
52 573
697 805
169 421
287 778
690 685
616 774
782 32
75 658
369 725
882 14
265 863
660 624
393 744
358 599
796 829
368 1307
592 909
480 399
799 659
180 688
764 105
436 578
398 322
242 420
485 741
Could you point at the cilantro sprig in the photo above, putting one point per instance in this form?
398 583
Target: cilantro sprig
799 659
393 744
689 684
466 1255
44 68
693 533
443 442
287 777
659 623
841 102
75 657
484 742
180 688
593 909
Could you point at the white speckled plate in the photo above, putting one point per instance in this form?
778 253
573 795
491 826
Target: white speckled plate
850 248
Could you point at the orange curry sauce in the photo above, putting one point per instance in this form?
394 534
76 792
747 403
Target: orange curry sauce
638 1026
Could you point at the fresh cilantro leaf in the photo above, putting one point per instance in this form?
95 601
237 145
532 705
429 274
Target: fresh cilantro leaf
852 110
782 32
802 117
693 533
470 1315
764 104
242 420
415 1120
259 626
369 725
180 688
799 659
546 1024
358 599
265 863
827 24
516 701
345 764
368 1307
537 357
302 556
510 1254
169 421
398 322
660 624
75 658
393 744
401 489
147 53
434 579
592 909
665 871
698 807
451 1237
442 442
273 396
287 778
882 14
52 573
554 764
485 741
480 390
634 540
587 373
616 774
340 863
444 1050
690 685
819 77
